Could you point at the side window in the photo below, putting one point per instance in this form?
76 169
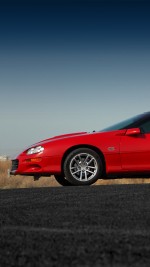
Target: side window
145 127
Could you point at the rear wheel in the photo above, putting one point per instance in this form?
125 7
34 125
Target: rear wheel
83 166
62 181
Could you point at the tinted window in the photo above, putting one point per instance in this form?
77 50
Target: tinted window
123 124
145 127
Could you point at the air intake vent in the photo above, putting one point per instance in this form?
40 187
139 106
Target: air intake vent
15 163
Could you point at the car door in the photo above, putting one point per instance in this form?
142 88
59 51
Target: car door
135 150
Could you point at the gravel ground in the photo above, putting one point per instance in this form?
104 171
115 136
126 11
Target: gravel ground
75 226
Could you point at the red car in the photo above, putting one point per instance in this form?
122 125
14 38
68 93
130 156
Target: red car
82 158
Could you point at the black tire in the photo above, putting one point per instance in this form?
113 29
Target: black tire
62 181
83 166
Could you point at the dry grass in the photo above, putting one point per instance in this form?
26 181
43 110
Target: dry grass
123 181
28 181
22 181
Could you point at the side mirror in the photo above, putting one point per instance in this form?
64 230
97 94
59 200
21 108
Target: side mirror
133 131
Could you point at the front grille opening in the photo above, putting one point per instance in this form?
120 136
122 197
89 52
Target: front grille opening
15 164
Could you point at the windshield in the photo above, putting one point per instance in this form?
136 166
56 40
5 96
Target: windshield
123 124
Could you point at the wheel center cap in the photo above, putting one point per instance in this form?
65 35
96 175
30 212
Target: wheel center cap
83 167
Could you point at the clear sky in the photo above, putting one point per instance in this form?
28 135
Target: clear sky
68 66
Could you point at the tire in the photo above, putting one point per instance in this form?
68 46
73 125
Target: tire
62 181
83 166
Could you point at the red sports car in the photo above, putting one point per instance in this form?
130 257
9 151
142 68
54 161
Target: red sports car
82 158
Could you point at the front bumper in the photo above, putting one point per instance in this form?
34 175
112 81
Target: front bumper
29 165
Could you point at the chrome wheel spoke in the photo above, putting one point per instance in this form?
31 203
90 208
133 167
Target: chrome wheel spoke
75 172
90 171
81 176
77 162
90 161
91 167
85 161
74 167
86 176
79 159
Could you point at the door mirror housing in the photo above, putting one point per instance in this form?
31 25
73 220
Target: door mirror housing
133 131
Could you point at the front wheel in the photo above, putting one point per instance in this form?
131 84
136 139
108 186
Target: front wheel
83 166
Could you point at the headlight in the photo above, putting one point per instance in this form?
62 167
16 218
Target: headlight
35 150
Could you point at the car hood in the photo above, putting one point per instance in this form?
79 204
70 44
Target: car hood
62 136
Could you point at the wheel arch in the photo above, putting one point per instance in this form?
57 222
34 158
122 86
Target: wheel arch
98 151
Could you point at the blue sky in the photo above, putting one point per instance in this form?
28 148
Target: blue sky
68 66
